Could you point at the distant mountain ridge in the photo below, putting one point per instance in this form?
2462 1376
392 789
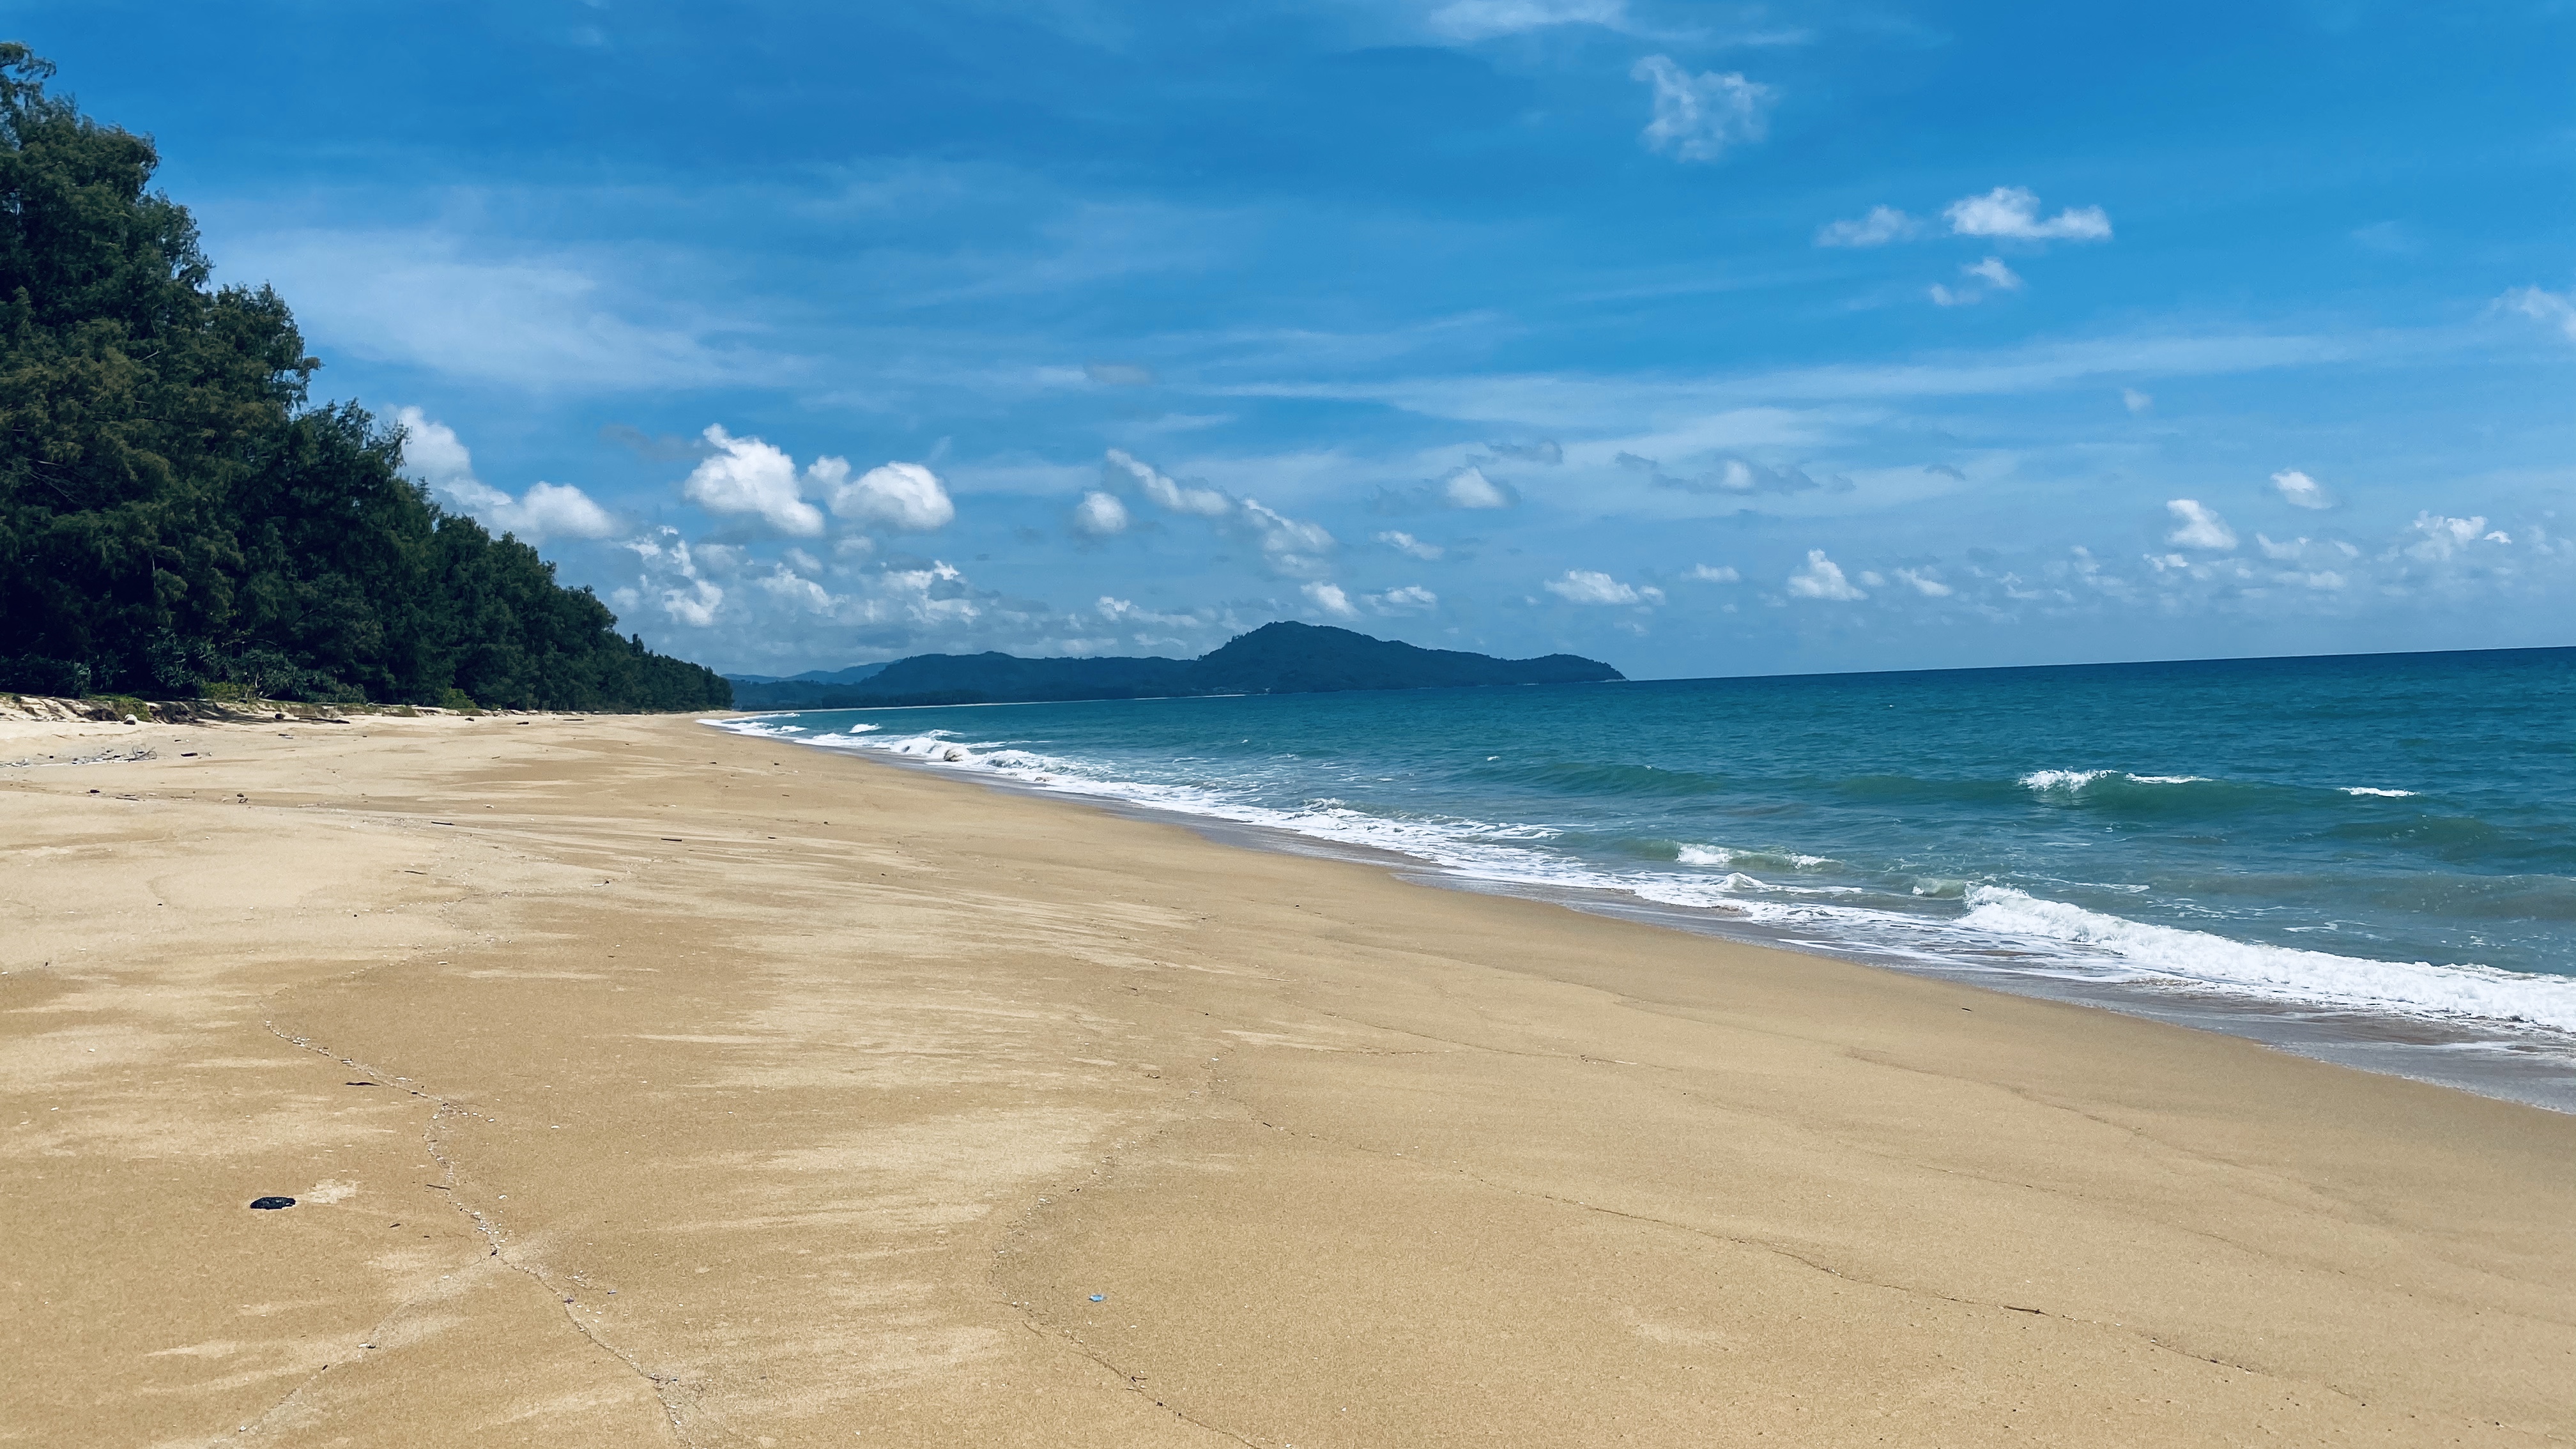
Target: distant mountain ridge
1281 658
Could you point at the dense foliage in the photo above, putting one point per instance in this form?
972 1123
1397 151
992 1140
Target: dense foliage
174 515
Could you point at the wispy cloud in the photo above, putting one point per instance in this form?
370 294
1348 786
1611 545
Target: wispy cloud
1485 19
1884 224
1698 117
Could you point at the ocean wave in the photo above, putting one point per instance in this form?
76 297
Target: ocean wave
2074 781
2281 972
2376 793
1721 855
1940 920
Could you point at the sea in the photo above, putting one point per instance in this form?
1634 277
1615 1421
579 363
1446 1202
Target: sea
2369 859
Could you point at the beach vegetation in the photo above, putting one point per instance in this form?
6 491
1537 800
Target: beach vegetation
178 517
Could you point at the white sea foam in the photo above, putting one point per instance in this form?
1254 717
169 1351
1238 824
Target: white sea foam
2417 987
2380 794
2063 939
1721 855
2073 781
865 729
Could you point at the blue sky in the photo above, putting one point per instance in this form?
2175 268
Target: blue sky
1702 339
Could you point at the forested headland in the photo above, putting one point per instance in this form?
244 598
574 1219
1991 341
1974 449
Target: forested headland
178 520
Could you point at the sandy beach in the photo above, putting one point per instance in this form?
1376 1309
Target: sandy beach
640 1083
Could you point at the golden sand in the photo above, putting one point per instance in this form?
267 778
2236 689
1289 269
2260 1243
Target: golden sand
644 1084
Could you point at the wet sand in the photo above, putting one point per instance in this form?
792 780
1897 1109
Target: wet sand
640 1084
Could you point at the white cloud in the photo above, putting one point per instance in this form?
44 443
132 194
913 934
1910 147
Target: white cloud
1407 543
746 475
1410 599
1719 575
2440 537
2013 211
1993 270
1175 497
1100 515
434 454
1470 488
1587 586
671 575
2300 490
2558 309
1330 599
1485 19
1290 544
550 509
2200 525
1923 582
797 591
903 496
1822 578
1884 224
2136 401
1698 116
558 323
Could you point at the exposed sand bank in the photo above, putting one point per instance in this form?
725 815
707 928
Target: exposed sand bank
725 1093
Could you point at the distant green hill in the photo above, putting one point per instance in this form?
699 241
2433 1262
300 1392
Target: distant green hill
1282 658
175 515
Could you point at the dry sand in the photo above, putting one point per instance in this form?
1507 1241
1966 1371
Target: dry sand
641 1084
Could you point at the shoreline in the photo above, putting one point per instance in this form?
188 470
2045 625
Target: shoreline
640 1084
2532 1066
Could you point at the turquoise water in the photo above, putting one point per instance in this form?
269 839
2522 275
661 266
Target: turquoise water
2383 836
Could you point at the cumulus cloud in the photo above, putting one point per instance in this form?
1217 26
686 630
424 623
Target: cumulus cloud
1588 586
1470 488
1289 545
2199 525
797 591
1722 574
1697 117
671 576
2013 212
1822 578
1100 515
748 476
1410 599
1485 19
1407 543
1926 583
903 496
2557 309
2300 490
1329 599
436 456
1165 493
2438 537
1884 224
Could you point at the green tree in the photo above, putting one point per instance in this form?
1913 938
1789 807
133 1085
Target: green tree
173 511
